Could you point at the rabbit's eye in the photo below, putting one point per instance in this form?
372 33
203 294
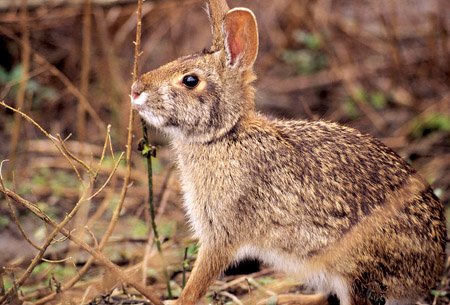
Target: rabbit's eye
190 81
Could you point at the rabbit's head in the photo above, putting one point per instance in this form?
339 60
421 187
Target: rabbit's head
201 97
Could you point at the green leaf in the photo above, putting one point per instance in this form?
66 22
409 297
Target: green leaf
192 250
3 76
439 293
351 109
265 280
139 228
7 283
360 94
378 100
167 229
429 124
147 149
64 271
310 40
4 221
16 73
305 61
41 267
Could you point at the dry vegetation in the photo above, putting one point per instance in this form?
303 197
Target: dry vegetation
75 222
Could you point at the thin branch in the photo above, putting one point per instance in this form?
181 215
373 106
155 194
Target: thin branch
41 60
21 92
108 179
85 69
21 229
137 42
105 145
38 257
73 157
232 297
96 254
14 215
162 199
57 261
48 135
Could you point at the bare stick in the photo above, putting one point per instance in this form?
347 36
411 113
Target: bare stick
108 179
99 257
106 235
137 42
85 69
107 141
114 217
26 51
41 60
47 243
49 136
21 229
73 157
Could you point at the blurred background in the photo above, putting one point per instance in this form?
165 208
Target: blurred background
381 66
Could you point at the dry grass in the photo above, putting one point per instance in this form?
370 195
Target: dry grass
77 192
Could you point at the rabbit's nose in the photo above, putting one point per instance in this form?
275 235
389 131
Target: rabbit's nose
136 89
139 97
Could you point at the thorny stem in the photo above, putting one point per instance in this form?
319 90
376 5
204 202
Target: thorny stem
148 151
151 152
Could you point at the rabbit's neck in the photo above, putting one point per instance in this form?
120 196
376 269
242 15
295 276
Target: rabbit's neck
214 136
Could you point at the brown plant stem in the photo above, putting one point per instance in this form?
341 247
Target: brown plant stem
21 92
41 60
48 135
38 257
99 257
85 69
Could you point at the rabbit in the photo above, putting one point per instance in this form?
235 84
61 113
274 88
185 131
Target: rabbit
333 207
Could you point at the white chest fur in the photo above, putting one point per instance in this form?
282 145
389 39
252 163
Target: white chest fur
210 188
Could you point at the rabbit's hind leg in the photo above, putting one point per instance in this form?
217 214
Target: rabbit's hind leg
297 299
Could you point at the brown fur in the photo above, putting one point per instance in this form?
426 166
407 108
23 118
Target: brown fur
333 206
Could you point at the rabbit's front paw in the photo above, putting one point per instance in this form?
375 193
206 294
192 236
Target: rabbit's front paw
170 302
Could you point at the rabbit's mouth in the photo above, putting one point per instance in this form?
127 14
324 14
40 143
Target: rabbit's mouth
139 101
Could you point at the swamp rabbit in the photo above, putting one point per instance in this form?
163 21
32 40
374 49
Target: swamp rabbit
323 202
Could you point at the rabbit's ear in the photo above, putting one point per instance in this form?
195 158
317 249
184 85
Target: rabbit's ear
240 37
217 10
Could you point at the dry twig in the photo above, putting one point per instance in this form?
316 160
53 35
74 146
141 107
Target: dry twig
26 51
99 257
85 69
